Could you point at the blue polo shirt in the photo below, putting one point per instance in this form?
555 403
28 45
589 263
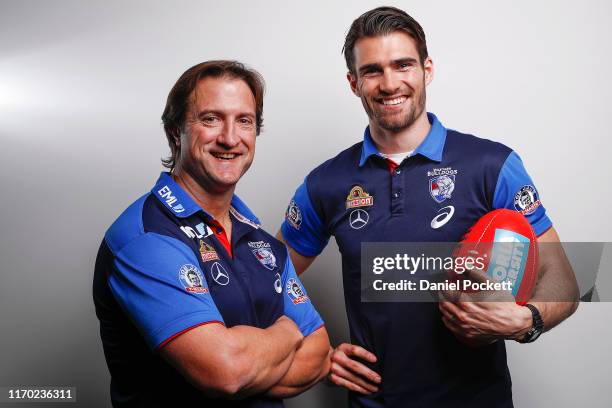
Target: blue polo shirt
165 267
435 195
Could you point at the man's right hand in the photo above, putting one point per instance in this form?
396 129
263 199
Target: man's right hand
349 373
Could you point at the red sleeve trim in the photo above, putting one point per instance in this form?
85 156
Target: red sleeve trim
169 339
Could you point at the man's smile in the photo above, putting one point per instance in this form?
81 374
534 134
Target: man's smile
225 156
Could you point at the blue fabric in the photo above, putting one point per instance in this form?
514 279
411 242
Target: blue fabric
431 147
449 173
162 269
154 299
308 235
173 197
298 307
513 179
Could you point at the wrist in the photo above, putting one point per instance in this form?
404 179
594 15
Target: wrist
523 322
537 325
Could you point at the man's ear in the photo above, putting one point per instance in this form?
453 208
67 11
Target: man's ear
428 67
352 79
176 135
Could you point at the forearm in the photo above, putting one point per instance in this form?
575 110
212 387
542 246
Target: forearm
265 356
556 295
310 365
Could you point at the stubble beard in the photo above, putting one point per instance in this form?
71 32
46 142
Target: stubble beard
397 125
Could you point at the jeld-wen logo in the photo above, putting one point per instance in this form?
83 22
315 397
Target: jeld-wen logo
166 194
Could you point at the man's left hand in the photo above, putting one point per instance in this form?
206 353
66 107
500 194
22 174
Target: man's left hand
483 317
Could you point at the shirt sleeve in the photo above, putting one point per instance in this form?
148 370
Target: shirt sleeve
516 191
158 283
302 228
297 304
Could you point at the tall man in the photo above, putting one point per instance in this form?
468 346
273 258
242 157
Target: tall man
195 300
411 179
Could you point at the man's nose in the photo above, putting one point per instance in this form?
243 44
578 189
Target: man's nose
228 136
389 83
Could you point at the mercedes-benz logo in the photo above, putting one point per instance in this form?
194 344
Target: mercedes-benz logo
219 274
358 219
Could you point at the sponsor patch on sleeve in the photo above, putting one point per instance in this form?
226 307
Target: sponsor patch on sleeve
526 200
191 278
294 289
293 215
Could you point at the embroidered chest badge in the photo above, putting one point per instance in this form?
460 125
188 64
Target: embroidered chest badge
441 183
358 197
263 252
207 252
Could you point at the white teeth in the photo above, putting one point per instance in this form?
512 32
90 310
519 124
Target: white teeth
395 101
224 155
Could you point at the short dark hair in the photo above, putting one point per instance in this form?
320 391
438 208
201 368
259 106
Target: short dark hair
177 103
382 21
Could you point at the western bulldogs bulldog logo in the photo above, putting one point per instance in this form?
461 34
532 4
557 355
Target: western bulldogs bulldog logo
441 187
263 252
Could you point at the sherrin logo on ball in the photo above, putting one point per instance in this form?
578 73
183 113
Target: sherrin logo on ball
508 244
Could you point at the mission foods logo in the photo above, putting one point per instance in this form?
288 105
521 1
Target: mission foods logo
358 197
207 252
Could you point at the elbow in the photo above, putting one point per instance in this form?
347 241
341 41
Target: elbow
574 304
237 379
575 299
232 375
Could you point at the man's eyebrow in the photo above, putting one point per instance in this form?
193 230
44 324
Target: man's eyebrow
369 68
377 67
205 112
406 60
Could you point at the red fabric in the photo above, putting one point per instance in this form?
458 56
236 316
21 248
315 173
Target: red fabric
221 236
174 336
392 165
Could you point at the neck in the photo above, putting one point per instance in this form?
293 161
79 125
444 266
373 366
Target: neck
404 140
215 203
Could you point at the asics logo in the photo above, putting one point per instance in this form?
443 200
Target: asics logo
444 216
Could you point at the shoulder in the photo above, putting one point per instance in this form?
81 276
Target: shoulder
466 142
142 216
345 160
340 167
482 151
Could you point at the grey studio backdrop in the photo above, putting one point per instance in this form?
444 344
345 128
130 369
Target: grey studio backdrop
83 85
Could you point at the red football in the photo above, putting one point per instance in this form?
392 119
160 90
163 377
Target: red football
507 246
